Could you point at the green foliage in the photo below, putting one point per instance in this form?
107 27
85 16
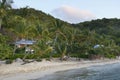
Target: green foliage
17 56
111 56
56 38
5 49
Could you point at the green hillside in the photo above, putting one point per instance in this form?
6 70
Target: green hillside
56 38
109 27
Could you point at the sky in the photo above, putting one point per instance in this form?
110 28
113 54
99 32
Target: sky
74 11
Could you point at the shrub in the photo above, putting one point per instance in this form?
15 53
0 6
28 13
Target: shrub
9 61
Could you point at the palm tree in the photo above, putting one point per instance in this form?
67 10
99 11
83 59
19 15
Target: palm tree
5 49
58 36
20 27
4 5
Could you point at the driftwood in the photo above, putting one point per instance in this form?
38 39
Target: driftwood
27 61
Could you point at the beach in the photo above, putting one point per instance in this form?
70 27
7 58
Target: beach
35 70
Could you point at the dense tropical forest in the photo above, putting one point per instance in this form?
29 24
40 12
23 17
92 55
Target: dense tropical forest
54 37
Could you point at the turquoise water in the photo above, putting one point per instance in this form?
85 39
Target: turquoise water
106 72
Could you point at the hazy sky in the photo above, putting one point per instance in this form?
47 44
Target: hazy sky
75 11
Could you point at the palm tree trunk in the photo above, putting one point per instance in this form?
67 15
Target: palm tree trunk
0 23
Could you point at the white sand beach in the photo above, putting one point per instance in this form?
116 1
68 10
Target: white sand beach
34 70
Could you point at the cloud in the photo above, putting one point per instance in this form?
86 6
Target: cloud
72 15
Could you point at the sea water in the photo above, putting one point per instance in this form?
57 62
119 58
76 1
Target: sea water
104 72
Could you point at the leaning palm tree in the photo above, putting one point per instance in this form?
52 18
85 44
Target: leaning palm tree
60 38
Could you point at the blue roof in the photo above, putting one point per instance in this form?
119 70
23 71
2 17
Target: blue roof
23 41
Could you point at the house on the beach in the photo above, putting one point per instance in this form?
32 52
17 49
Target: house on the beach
26 44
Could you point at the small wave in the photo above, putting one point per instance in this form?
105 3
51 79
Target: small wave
105 72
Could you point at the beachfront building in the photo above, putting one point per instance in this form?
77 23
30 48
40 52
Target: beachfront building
98 46
26 44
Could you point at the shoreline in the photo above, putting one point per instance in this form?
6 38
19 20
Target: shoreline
34 70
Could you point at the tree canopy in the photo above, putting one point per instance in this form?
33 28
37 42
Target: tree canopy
57 37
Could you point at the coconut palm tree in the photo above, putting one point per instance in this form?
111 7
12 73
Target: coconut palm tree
4 5
60 37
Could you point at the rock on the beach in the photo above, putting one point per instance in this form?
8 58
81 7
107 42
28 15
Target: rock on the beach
19 60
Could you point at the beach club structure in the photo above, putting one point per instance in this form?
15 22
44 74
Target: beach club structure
24 43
